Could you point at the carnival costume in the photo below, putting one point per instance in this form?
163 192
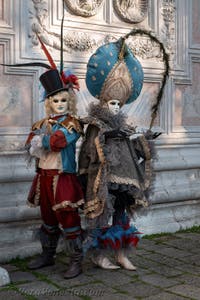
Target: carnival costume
115 170
55 187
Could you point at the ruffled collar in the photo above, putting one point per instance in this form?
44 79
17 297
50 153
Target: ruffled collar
99 113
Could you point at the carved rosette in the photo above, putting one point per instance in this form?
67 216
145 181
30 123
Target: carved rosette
131 11
84 8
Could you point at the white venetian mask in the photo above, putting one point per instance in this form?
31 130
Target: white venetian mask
114 106
59 103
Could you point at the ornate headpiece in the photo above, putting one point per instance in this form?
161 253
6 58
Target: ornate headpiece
113 72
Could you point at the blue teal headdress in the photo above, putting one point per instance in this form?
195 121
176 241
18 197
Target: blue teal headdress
113 72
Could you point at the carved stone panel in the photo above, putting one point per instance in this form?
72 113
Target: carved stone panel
187 103
84 8
196 22
131 11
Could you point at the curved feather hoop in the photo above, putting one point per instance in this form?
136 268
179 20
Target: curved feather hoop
134 32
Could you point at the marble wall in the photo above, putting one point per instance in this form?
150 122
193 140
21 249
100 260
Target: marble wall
88 24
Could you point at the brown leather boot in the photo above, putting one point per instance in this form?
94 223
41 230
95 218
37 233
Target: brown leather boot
75 265
49 242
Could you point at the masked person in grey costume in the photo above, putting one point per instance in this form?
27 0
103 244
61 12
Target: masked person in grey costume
114 161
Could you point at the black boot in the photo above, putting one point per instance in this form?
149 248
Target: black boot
49 242
75 266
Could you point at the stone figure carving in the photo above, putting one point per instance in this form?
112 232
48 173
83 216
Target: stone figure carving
131 11
84 8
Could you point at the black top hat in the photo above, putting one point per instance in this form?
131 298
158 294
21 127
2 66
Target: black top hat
52 82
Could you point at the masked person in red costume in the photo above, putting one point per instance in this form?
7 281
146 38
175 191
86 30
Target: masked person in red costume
55 188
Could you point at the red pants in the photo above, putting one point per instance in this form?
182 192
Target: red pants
69 219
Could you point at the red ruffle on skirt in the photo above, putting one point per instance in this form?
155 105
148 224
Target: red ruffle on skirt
69 193
63 191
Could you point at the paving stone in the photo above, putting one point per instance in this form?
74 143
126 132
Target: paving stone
187 291
173 252
94 270
166 271
164 296
193 260
164 260
184 244
164 238
192 235
114 278
79 280
37 288
189 279
144 262
188 268
141 251
11 295
94 291
159 280
59 295
21 276
57 268
148 245
114 297
4 277
9 267
139 272
140 289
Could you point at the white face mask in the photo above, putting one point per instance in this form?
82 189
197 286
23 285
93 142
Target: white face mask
59 103
114 106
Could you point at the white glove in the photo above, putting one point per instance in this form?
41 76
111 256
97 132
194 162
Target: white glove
36 148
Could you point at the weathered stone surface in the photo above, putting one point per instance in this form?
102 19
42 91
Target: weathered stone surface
21 276
4 277
159 280
164 296
11 295
37 288
186 290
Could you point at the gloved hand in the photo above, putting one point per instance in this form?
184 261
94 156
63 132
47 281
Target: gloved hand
117 133
150 135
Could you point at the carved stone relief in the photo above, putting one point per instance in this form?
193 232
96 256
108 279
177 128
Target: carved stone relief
38 14
81 41
84 8
145 48
168 10
131 11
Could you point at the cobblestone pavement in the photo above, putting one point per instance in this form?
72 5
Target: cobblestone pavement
168 267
